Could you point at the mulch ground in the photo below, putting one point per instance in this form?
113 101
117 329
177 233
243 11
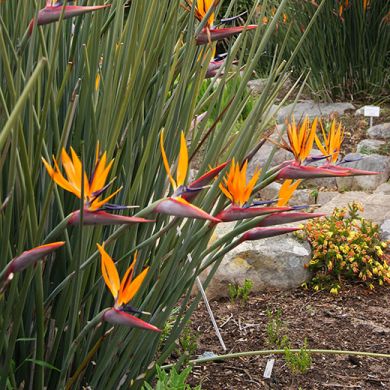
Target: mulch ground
357 319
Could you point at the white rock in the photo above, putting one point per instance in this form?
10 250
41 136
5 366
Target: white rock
302 197
381 131
369 146
376 206
326 196
385 230
192 175
299 197
312 109
276 262
383 188
271 191
257 86
373 162
261 157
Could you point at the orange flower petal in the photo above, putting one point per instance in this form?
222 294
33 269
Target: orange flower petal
109 272
165 160
286 191
59 178
78 167
128 287
182 165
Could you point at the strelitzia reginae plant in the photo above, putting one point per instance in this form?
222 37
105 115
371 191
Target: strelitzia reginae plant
236 188
357 67
78 183
54 9
123 291
65 332
210 33
177 205
28 258
300 142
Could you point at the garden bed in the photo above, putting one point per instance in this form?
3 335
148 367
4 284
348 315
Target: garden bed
357 319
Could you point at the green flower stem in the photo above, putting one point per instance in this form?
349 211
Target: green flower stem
269 178
57 230
81 252
279 352
40 323
3 279
87 328
243 227
70 383
220 254
16 321
15 114
111 238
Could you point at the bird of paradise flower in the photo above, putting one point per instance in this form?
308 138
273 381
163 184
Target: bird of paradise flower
54 9
177 205
209 32
91 189
300 142
123 292
332 141
238 190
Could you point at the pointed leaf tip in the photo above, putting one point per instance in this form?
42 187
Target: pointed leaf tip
235 213
31 256
266 232
103 218
179 207
117 317
52 13
217 34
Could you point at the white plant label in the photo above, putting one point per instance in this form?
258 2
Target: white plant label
372 111
268 368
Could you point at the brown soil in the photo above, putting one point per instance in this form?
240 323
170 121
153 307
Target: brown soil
356 319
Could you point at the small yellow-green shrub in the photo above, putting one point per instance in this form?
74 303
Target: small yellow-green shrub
346 246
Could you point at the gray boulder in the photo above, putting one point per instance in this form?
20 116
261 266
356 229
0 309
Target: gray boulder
376 206
322 182
302 197
373 162
271 191
299 197
326 196
312 109
276 262
370 146
261 157
385 230
381 131
256 86
383 188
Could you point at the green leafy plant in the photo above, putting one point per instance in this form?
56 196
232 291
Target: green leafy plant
384 149
188 341
237 292
346 246
298 362
356 63
171 380
120 77
109 98
314 194
275 329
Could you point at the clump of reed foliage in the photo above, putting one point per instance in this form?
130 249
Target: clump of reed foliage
119 77
347 50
